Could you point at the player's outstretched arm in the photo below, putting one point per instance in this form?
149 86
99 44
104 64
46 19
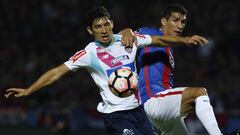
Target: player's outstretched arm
128 39
47 78
178 40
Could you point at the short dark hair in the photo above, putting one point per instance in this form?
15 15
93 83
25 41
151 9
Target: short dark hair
95 13
173 8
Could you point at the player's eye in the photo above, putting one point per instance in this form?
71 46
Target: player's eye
107 24
97 26
175 20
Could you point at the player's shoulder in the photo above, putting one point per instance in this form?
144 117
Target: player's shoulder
117 37
149 30
90 46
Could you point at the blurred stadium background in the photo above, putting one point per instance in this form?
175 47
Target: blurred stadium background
36 35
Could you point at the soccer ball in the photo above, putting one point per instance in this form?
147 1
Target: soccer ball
123 82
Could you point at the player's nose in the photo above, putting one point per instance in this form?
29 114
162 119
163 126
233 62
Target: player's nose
103 30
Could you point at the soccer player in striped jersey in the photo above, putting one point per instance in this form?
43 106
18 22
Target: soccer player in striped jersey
165 105
122 116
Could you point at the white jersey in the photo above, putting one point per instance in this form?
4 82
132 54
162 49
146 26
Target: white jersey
101 61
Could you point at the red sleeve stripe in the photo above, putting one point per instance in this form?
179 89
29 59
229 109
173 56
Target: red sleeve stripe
140 35
78 55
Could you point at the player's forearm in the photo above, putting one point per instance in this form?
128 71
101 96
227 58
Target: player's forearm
169 40
46 79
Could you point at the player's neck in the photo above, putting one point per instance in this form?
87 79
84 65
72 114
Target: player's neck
105 44
162 30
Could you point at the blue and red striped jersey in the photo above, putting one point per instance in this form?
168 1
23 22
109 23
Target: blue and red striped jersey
155 66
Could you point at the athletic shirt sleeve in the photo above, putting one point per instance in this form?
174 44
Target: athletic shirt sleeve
143 40
78 60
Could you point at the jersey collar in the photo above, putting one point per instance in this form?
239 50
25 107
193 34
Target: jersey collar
116 38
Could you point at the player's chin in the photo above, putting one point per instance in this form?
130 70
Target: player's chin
177 33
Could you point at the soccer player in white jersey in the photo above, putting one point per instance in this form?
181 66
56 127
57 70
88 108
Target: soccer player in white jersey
122 116
164 104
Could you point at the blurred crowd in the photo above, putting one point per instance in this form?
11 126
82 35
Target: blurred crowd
36 35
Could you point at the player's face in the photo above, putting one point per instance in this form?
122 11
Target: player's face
101 29
174 25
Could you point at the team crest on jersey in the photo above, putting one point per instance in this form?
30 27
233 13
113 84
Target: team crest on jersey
128 49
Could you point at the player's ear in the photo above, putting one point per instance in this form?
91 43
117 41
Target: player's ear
112 23
163 21
89 30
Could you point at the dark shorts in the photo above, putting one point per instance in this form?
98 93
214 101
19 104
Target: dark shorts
129 122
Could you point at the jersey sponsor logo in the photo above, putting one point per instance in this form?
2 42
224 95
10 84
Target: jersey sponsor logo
129 65
128 132
77 55
119 58
107 58
128 49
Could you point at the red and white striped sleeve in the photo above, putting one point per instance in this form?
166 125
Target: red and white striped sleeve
79 59
143 40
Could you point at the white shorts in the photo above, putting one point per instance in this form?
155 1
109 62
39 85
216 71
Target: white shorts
164 111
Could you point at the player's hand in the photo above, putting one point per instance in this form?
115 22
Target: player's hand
128 37
196 40
16 92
